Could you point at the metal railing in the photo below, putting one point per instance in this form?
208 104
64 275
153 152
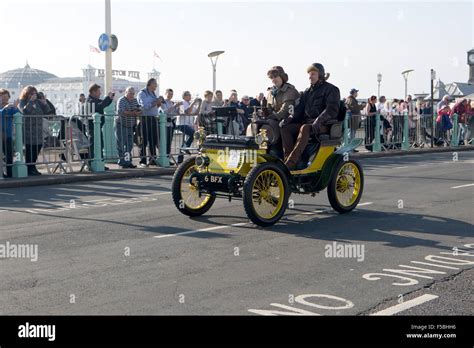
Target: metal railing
62 144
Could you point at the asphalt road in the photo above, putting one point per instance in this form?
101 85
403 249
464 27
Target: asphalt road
121 247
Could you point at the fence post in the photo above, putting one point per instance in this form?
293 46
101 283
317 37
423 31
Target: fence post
346 130
220 128
405 144
19 166
1 142
455 136
97 164
376 146
110 144
163 160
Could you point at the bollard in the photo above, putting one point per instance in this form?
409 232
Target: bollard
163 160
376 147
97 164
220 129
110 144
346 130
455 136
405 144
19 169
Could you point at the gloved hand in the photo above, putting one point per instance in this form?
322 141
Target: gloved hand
285 121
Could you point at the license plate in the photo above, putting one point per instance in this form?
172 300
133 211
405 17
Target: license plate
214 179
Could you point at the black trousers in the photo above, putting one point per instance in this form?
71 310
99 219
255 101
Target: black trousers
169 138
8 151
31 155
149 132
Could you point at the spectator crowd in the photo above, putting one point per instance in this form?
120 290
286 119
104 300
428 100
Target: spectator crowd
136 121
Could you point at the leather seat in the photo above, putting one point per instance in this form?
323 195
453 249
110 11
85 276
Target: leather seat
332 138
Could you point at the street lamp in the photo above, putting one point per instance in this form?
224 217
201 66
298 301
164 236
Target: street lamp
405 76
108 52
212 55
379 79
433 77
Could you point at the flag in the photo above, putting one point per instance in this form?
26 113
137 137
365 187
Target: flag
156 55
93 49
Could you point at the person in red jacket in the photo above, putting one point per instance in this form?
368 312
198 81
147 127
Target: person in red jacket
461 110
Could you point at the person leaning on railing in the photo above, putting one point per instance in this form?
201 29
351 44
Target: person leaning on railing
97 105
206 117
171 109
460 108
125 123
7 110
32 109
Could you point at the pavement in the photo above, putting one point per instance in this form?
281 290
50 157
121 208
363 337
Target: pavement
121 247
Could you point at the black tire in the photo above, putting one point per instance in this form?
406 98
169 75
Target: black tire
332 188
176 191
248 194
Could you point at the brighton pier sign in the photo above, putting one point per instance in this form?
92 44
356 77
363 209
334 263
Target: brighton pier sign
118 73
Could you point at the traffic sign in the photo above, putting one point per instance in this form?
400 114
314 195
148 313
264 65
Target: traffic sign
104 42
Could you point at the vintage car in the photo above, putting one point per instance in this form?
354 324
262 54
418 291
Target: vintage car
245 167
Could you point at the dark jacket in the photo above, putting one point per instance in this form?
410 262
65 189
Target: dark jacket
97 105
280 101
320 101
353 106
33 122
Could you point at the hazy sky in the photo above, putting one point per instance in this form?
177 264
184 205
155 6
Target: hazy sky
354 41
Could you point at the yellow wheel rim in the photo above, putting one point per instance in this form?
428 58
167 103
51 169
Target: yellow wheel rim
190 192
348 184
267 194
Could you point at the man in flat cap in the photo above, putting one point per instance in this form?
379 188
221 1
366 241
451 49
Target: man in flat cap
318 105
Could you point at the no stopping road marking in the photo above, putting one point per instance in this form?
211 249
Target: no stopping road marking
406 305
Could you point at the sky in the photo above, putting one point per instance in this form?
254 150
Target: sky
354 40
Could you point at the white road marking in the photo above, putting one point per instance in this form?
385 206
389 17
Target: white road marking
400 167
455 187
203 230
406 305
365 203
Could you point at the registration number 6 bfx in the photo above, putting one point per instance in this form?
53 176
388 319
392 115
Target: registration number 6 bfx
213 179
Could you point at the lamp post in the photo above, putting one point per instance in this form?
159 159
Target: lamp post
405 76
212 55
108 52
379 79
433 77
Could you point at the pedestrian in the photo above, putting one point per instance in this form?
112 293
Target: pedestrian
206 117
33 111
460 108
7 111
443 102
370 112
218 101
171 109
125 124
185 122
96 105
148 123
244 105
355 109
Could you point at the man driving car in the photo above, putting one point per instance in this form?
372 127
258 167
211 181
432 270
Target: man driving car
318 105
